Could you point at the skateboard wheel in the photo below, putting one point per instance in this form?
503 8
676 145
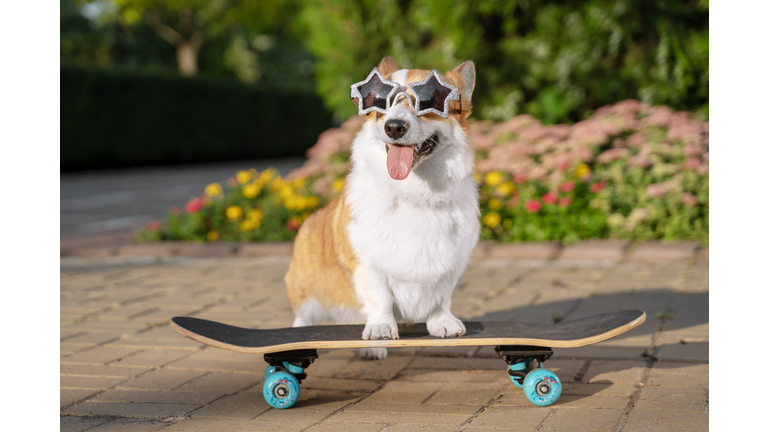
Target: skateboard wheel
281 390
270 370
542 387
519 367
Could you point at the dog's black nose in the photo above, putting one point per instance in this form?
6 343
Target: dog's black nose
395 128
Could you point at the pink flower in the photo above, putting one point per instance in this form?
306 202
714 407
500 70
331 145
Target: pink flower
563 166
613 154
688 199
532 206
567 186
655 190
232 182
194 206
549 198
153 226
691 163
639 160
564 202
513 202
597 187
518 178
637 139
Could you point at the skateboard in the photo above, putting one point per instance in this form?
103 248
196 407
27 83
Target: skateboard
523 346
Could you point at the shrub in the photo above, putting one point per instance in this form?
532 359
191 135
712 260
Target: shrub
113 119
630 171
556 60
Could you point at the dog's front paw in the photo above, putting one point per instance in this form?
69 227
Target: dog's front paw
372 353
446 326
380 331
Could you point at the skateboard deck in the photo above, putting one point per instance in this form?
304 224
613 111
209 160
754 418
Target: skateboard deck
567 334
523 346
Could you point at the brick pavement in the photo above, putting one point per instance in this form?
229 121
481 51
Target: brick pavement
124 369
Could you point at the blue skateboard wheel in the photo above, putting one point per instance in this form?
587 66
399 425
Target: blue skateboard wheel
542 387
281 390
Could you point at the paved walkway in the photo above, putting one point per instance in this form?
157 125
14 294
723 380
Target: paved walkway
124 369
117 201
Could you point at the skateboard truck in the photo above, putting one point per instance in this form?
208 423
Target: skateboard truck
294 362
522 359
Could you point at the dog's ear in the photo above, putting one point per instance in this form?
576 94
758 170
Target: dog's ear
464 77
387 66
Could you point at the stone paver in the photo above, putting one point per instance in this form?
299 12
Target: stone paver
123 368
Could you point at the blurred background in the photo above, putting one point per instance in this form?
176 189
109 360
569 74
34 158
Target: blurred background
149 82
238 84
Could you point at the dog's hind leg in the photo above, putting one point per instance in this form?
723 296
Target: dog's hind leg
372 353
309 313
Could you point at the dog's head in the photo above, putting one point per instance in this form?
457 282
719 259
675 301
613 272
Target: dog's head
415 111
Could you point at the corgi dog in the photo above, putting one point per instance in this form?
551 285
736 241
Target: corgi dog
392 245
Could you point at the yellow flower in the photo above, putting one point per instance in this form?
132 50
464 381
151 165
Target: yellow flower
477 178
277 184
301 203
265 177
493 178
244 177
494 204
290 203
212 236
298 182
286 192
506 188
249 225
337 185
251 190
213 189
492 220
252 220
234 212
313 201
582 170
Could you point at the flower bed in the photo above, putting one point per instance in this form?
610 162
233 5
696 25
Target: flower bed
630 171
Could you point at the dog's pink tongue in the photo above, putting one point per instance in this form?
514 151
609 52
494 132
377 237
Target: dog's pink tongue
399 161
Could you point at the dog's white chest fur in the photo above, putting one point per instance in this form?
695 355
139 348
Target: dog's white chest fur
414 235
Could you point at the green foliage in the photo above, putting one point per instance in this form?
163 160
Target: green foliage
557 60
250 41
117 119
79 40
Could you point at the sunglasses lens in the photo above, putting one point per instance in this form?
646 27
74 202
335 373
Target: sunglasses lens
431 94
375 93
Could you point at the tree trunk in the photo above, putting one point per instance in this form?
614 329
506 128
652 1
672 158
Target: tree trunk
186 58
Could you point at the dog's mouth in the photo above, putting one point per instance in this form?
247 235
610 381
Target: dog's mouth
402 157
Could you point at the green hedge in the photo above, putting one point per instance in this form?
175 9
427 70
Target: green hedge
115 119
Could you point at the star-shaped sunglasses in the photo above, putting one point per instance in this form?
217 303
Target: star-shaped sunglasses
432 94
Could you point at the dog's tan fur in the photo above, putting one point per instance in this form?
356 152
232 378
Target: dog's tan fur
323 260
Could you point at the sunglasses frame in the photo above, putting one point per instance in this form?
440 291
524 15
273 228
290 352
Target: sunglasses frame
356 97
454 95
355 93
